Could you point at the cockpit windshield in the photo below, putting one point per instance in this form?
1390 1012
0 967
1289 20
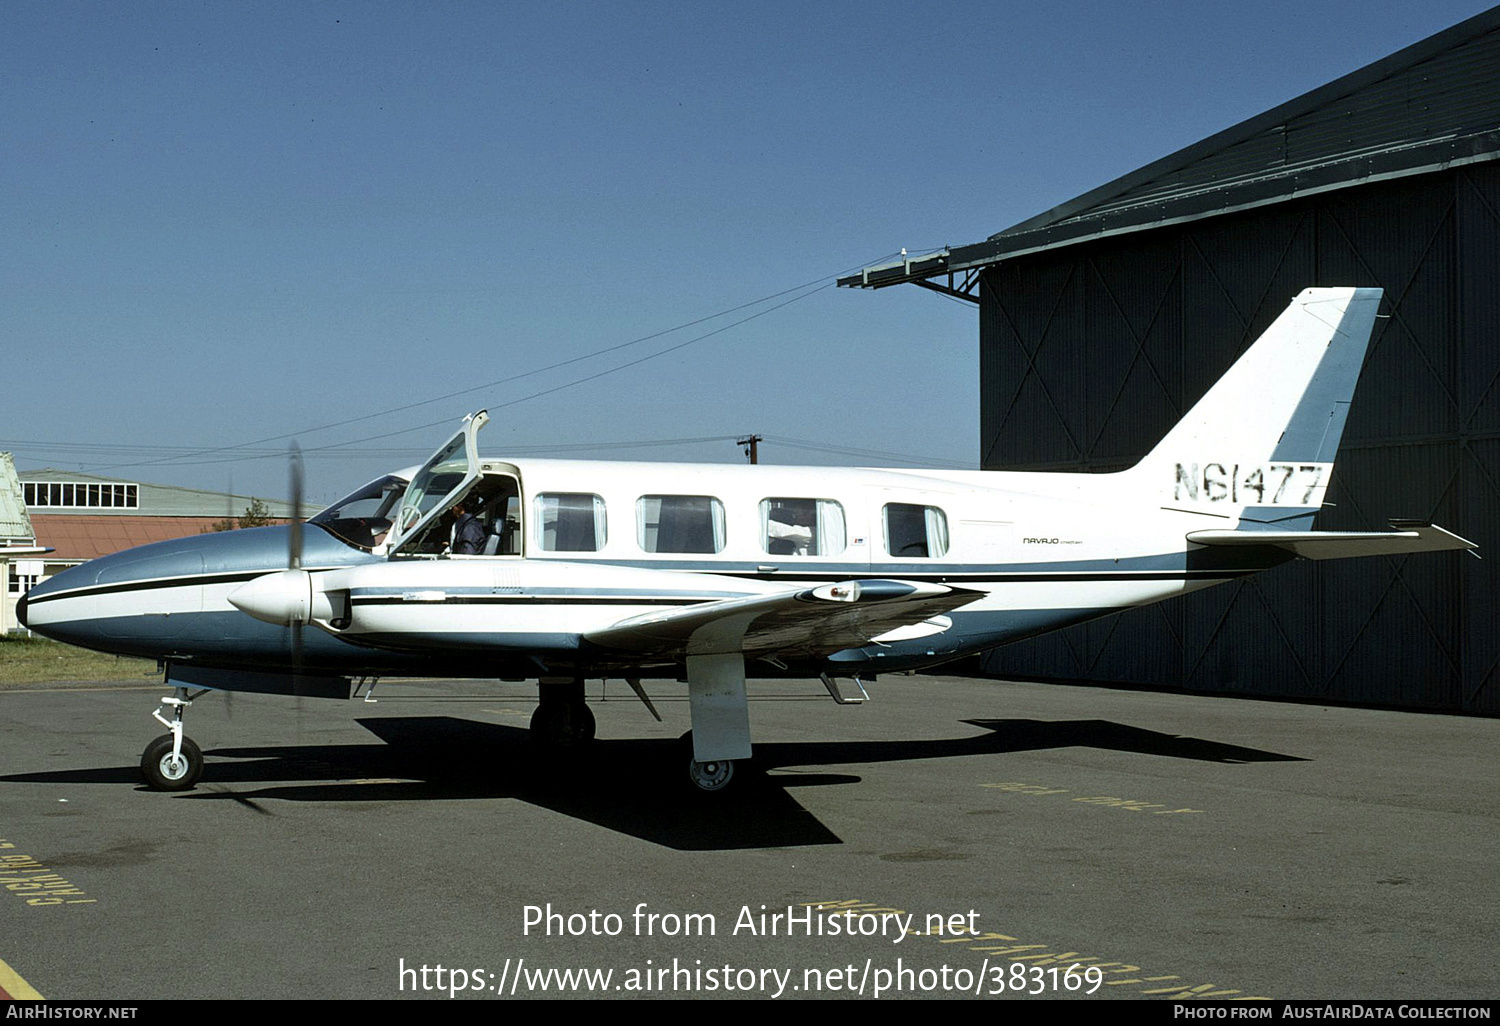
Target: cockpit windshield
363 517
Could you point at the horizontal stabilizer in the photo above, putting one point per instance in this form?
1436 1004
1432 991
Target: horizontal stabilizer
800 622
1411 537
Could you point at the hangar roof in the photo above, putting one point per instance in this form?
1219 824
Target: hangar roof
74 539
1433 105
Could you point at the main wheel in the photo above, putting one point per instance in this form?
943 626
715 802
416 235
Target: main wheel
713 775
165 773
582 718
562 723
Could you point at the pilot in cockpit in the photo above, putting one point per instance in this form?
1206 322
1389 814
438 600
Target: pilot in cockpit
468 530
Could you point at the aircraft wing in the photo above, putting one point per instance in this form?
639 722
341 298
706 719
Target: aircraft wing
1409 536
796 622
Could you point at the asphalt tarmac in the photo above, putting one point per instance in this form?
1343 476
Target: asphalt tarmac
951 837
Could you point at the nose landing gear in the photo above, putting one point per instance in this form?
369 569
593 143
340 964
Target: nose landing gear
173 762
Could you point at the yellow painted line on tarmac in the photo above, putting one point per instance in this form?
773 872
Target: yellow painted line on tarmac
1036 968
14 988
1105 800
34 882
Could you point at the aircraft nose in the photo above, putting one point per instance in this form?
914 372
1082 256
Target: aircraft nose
47 610
72 577
102 603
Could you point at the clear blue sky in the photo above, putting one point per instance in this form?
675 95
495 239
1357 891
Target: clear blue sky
223 222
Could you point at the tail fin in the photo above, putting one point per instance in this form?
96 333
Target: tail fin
1259 446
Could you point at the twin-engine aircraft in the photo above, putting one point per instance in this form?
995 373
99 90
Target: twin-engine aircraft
476 566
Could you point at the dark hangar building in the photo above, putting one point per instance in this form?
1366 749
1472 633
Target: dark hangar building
1104 319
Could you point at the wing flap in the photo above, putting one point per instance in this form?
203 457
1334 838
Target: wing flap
1409 537
811 621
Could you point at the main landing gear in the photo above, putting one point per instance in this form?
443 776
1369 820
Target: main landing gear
563 720
172 762
711 776
562 716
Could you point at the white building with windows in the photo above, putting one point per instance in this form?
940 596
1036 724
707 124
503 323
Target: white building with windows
20 562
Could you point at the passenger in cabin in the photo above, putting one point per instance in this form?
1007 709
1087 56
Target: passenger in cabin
789 530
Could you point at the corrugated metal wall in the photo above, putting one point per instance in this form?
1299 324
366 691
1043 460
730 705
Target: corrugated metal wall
1091 352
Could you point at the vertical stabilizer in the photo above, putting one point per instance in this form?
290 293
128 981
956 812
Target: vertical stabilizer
1259 446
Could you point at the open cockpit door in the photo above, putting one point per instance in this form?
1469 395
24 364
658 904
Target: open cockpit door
440 482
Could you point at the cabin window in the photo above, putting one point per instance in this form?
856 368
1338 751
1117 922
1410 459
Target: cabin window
801 527
680 523
570 522
912 531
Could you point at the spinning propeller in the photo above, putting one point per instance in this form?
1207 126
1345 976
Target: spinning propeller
287 597
294 552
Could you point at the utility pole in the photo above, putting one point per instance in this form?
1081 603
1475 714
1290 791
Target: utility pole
752 453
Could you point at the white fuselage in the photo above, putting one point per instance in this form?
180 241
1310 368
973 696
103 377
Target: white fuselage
1041 549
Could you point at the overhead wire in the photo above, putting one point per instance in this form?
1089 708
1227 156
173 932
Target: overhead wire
551 449
848 450
805 289
600 374
244 451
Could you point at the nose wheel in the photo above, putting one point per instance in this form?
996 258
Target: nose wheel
168 766
172 762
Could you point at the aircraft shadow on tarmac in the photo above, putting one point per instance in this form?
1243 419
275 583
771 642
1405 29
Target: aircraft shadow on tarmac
634 787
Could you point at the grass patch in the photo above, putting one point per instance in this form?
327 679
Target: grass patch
40 660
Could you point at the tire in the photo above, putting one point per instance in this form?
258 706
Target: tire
583 723
711 777
162 773
558 723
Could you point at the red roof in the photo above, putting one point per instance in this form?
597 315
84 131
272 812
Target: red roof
85 537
